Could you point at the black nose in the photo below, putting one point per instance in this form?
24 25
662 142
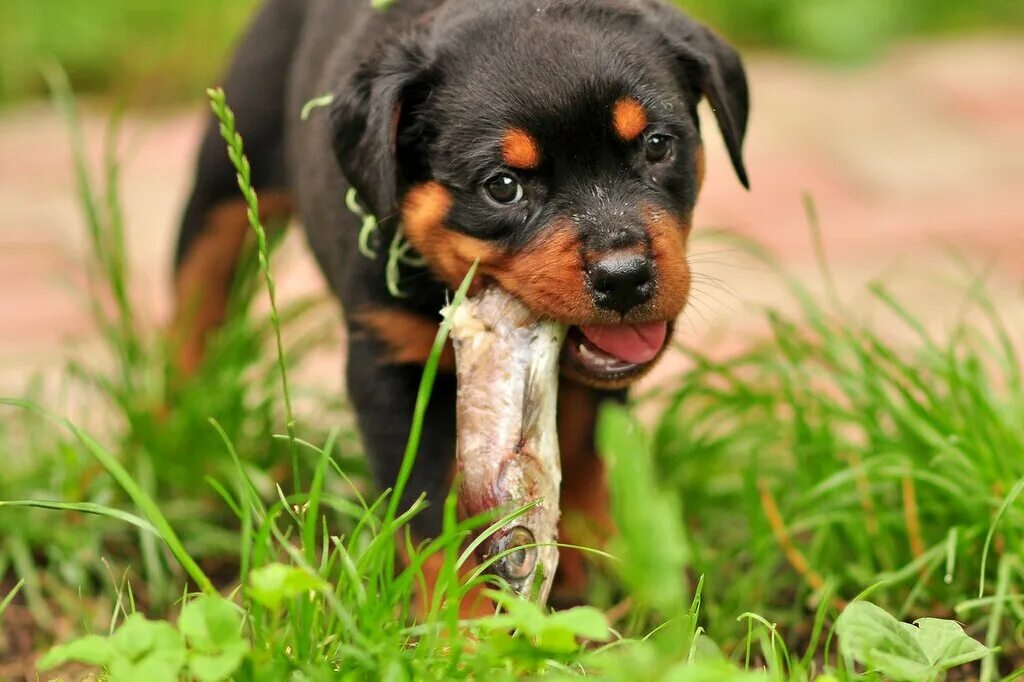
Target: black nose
622 281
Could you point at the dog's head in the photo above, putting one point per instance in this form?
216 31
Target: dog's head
557 142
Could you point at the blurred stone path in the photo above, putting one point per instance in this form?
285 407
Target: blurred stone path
914 157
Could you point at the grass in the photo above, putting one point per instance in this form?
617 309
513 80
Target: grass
142 50
790 507
850 31
827 441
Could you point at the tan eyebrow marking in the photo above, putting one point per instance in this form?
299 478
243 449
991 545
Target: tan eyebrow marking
520 150
629 118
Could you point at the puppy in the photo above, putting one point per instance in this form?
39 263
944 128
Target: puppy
554 141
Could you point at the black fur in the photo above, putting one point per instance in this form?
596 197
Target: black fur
424 91
256 83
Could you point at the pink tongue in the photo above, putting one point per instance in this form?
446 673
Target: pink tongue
634 343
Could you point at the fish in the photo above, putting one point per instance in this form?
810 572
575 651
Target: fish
507 366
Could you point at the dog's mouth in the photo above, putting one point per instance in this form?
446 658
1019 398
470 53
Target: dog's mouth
613 353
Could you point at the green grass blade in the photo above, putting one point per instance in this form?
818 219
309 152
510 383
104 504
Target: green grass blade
85 508
139 496
236 152
423 398
6 601
29 574
1010 499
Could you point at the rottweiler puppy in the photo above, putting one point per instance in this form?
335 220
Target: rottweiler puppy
555 141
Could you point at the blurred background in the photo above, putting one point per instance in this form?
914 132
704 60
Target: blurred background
162 52
903 120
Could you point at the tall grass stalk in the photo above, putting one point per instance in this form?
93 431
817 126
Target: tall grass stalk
236 152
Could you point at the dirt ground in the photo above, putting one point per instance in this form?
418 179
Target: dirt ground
914 157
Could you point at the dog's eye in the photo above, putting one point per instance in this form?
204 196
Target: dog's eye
504 189
657 147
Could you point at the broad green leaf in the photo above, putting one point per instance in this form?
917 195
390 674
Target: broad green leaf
209 623
146 650
161 667
91 650
212 628
900 651
272 584
642 660
946 644
557 640
217 667
137 636
552 632
583 621
712 671
651 540
520 614
139 650
899 667
868 634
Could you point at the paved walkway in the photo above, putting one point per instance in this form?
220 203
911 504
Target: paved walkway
919 153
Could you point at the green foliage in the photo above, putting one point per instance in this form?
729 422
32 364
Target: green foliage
651 543
271 585
212 628
145 49
163 441
545 632
830 458
140 649
919 652
9 597
154 51
848 30
236 152
207 643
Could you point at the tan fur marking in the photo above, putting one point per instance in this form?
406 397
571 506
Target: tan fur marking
629 118
409 337
520 150
203 280
474 604
547 274
449 253
668 249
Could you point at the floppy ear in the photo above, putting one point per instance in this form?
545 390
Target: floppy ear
366 118
715 69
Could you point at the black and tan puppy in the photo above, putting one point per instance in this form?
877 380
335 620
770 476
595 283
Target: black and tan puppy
555 141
